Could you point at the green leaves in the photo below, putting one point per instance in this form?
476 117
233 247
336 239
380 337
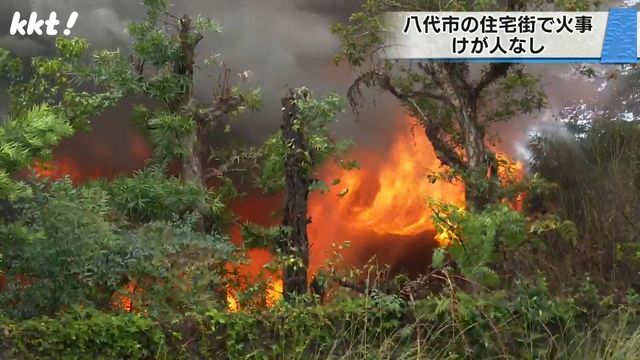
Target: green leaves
25 139
203 24
71 48
313 119
155 8
362 33
151 195
54 81
438 257
257 236
521 93
81 245
80 332
478 238
10 66
166 132
271 177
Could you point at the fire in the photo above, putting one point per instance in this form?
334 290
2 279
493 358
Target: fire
101 156
126 301
387 196
274 292
381 204
58 169
399 204
232 301
444 238
273 295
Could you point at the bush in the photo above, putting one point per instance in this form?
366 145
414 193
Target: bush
81 334
66 250
596 170
529 323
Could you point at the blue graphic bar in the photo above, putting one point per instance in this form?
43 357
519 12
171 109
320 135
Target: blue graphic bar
620 41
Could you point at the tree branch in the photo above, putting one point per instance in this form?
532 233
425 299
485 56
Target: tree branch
495 72
444 151
383 81
221 107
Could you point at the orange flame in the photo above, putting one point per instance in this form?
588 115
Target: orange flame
232 301
273 295
58 169
387 196
399 206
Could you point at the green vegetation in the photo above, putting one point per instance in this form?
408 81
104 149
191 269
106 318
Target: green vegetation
139 267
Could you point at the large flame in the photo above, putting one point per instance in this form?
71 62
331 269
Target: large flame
395 201
387 196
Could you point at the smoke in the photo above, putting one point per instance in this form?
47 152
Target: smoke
563 88
284 43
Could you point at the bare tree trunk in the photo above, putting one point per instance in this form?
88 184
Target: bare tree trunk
191 163
295 241
192 171
482 169
480 163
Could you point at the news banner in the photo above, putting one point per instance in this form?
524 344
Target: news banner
608 37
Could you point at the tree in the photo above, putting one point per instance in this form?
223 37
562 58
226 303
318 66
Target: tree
454 109
290 159
169 44
183 127
297 179
23 140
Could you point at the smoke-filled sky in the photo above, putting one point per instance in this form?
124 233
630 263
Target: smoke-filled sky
283 43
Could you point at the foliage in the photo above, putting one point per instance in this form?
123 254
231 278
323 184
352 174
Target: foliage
67 249
123 269
168 43
24 139
286 332
478 240
454 107
79 245
10 66
150 195
595 172
314 117
527 323
53 82
80 334
497 324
